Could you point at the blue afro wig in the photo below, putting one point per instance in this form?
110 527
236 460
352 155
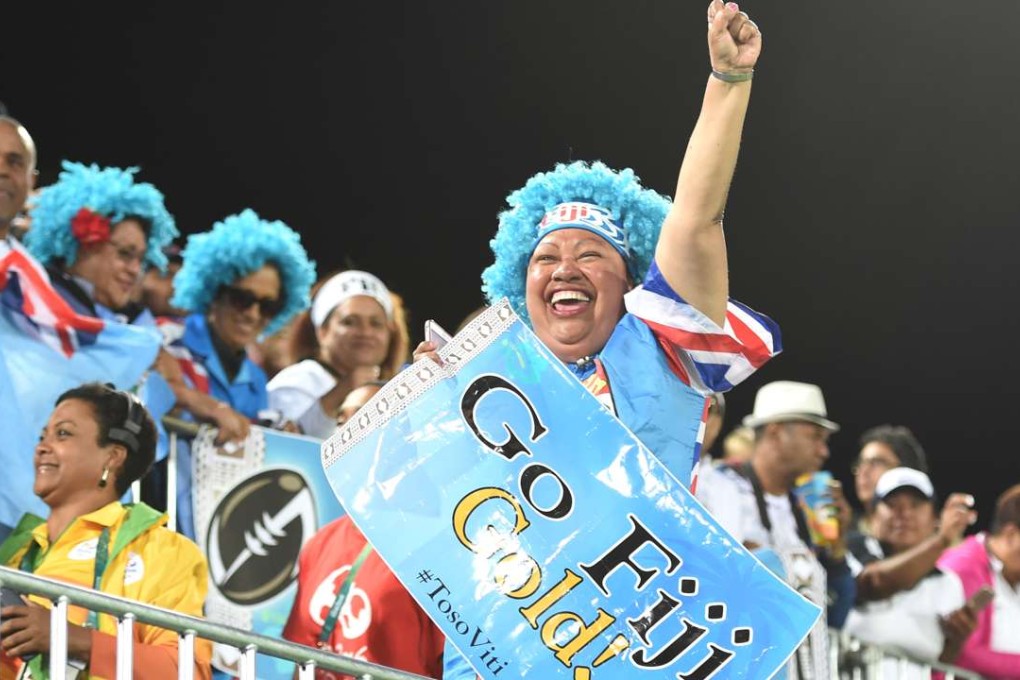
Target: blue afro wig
111 192
638 210
236 247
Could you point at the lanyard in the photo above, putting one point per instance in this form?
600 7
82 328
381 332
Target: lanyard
763 514
597 384
334 612
28 563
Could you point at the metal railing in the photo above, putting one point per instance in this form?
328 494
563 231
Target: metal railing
175 427
851 659
187 627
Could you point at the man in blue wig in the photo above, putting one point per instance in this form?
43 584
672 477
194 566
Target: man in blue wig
630 290
245 277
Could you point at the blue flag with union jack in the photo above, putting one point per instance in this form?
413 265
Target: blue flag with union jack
47 348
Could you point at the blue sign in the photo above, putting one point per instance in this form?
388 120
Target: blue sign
255 509
541 536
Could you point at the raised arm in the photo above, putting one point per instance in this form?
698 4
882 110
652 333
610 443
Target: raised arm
691 252
882 579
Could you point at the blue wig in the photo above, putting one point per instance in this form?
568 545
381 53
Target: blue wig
638 210
236 247
111 192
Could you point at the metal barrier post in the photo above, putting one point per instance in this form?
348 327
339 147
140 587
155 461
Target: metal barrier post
171 481
58 639
186 655
248 662
125 647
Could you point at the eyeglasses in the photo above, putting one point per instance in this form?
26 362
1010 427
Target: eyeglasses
870 463
128 255
242 299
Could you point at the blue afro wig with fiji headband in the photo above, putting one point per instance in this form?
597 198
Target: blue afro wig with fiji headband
594 197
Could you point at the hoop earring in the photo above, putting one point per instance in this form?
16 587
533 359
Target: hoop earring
106 476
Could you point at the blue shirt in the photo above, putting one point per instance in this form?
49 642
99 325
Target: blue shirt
246 393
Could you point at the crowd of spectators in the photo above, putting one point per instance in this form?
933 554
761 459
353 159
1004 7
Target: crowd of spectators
247 339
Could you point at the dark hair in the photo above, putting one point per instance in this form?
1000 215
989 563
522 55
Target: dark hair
902 442
1007 510
174 253
115 413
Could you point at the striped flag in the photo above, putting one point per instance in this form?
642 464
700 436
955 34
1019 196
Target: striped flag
702 354
47 348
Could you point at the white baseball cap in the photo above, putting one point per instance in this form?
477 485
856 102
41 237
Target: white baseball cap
903 478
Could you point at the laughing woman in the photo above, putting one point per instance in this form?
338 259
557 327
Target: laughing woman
629 290
97 442
245 277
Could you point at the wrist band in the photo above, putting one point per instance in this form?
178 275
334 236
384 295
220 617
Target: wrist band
733 77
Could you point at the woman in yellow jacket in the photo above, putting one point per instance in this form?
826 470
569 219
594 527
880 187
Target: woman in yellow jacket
96 443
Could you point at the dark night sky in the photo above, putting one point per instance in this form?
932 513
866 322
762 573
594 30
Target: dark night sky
874 212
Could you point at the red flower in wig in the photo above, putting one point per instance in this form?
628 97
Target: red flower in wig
90 227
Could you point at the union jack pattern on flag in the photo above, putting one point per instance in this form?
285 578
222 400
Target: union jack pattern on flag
702 354
47 348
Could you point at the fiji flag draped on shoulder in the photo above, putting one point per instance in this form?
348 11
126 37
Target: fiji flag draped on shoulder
45 349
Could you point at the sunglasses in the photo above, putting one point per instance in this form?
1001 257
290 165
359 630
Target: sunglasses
242 300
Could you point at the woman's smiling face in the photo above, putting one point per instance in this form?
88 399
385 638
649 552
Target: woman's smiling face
68 458
574 292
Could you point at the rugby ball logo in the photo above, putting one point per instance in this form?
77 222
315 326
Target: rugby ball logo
256 534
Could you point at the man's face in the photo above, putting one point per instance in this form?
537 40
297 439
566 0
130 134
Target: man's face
158 288
1007 550
804 447
17 173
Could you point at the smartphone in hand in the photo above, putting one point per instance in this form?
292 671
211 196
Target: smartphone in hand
981 598
10 598
435 333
